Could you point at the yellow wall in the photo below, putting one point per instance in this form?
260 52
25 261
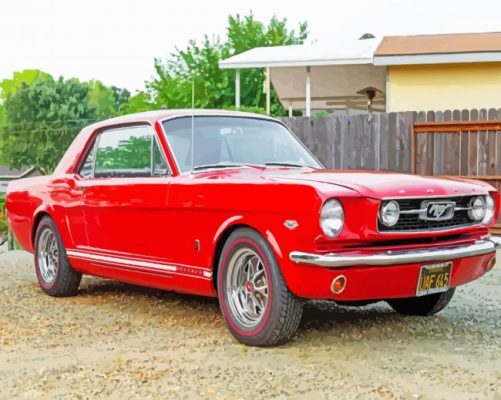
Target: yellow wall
444 87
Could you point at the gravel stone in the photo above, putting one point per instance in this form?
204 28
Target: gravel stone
120 341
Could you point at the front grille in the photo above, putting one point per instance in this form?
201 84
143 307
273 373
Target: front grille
412 222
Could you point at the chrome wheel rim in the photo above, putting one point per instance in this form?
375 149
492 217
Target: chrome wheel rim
247 287
48 256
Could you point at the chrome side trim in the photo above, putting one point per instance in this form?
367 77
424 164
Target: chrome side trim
116 260
333 260
175 269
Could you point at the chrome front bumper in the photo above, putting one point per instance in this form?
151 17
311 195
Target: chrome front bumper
333 260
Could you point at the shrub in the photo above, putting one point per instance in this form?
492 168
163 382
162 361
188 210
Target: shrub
3 216
3 223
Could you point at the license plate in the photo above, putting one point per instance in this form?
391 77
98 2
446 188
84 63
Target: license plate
434 278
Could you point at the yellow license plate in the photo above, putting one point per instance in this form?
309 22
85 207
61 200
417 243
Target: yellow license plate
434 278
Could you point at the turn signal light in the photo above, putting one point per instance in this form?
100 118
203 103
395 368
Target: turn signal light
490 264
338 284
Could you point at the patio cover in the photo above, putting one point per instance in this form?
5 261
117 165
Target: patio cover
317 76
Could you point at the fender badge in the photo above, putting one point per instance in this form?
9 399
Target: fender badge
291 224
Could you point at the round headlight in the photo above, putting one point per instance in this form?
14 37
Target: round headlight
332 218
389 213
477 208
489 209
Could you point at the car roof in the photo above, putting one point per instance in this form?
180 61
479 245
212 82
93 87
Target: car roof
160 115
73 154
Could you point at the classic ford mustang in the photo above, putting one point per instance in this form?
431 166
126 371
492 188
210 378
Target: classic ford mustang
232 205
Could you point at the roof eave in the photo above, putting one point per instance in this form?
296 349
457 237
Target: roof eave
228 64
438 58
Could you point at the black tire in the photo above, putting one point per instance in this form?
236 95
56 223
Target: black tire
65 280
283 310
422 306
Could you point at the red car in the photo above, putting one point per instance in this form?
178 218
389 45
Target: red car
232 205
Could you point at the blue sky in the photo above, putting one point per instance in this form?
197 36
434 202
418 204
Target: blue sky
116 40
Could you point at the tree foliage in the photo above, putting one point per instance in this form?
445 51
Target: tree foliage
40 116
9 86
140 102
121 99
215 88
41 120
27 76
3 219
102 99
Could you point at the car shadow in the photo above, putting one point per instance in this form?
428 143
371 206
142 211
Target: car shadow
97 286
327 315
321 319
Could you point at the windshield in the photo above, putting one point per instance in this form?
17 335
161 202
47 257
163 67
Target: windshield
232 141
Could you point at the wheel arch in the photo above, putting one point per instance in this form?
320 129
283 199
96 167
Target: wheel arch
36 221
58 217
218 248
224 233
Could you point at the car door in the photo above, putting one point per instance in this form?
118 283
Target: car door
124 195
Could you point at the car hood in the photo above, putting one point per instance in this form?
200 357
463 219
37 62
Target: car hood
380 185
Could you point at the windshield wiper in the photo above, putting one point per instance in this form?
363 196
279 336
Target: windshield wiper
236 165
221 165
287 164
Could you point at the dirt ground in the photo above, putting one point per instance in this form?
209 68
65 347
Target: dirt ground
121 341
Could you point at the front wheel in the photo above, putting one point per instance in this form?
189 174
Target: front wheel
423 306
256 304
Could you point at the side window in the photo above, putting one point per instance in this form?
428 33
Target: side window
87 168
159 164
125 152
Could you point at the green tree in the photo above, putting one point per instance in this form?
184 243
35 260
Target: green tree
41 120
27 76
9 86
101 99
215 88
121 99
140 102
40 116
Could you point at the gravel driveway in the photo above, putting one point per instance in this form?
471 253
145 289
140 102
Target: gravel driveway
121 341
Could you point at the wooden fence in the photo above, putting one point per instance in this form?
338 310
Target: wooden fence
385 142
382 142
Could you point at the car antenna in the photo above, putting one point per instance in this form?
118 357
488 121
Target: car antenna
192 120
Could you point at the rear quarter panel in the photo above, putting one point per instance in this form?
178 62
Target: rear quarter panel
27 199
24 198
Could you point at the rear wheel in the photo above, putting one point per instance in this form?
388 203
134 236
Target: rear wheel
424 306
256 304
54 273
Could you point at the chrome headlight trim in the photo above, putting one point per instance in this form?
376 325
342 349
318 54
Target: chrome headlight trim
389 213
490 208
332 218
477 208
